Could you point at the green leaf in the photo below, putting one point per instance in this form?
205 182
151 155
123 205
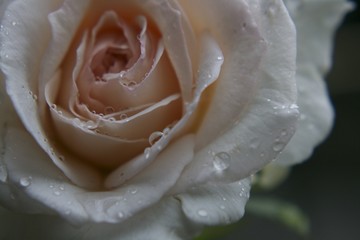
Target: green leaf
284 212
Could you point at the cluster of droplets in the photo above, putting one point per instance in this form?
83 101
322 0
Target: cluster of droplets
33 96
57 191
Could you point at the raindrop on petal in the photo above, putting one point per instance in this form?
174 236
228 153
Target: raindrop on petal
154 137
25 181
221 161
202 213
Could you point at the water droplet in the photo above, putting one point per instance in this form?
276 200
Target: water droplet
133 190
109 110
25 181
147 152
132 85
166 131
57 193
53 106
77 121
209 75
62 188
61 158
90 125
283 132
120 214
112 119
51 186
294 106
154 137
13 23
202 213
222 207
123 116
220 58
278 146
221 161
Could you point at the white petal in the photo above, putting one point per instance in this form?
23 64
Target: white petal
20 47
242 49
258 135
216 204
169 19
316 22
164 220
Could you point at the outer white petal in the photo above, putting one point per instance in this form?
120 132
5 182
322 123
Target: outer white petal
316 22
165 220
264 128
216 204
172 218
25 37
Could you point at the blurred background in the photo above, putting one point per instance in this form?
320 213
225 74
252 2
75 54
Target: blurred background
326 187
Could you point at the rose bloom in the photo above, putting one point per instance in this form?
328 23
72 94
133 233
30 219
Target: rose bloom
145 119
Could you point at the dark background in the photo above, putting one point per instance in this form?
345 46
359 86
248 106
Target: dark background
327 186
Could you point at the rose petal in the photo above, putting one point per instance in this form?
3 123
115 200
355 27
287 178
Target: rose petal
165 220
216 204
267 125
169 20
236 32
24 43
315 22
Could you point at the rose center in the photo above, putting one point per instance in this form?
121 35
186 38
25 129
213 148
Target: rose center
110 60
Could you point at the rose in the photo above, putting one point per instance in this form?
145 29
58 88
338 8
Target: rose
251 86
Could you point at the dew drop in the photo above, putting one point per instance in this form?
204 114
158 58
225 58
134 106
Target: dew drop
109 110
120 214
61 158
220 58
132 85
62 188
166 131
53 106
283 132
221 161
13 23
202 213
57 193
147 152
294 106
25 181
123 116
278 146
154 137
133 190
